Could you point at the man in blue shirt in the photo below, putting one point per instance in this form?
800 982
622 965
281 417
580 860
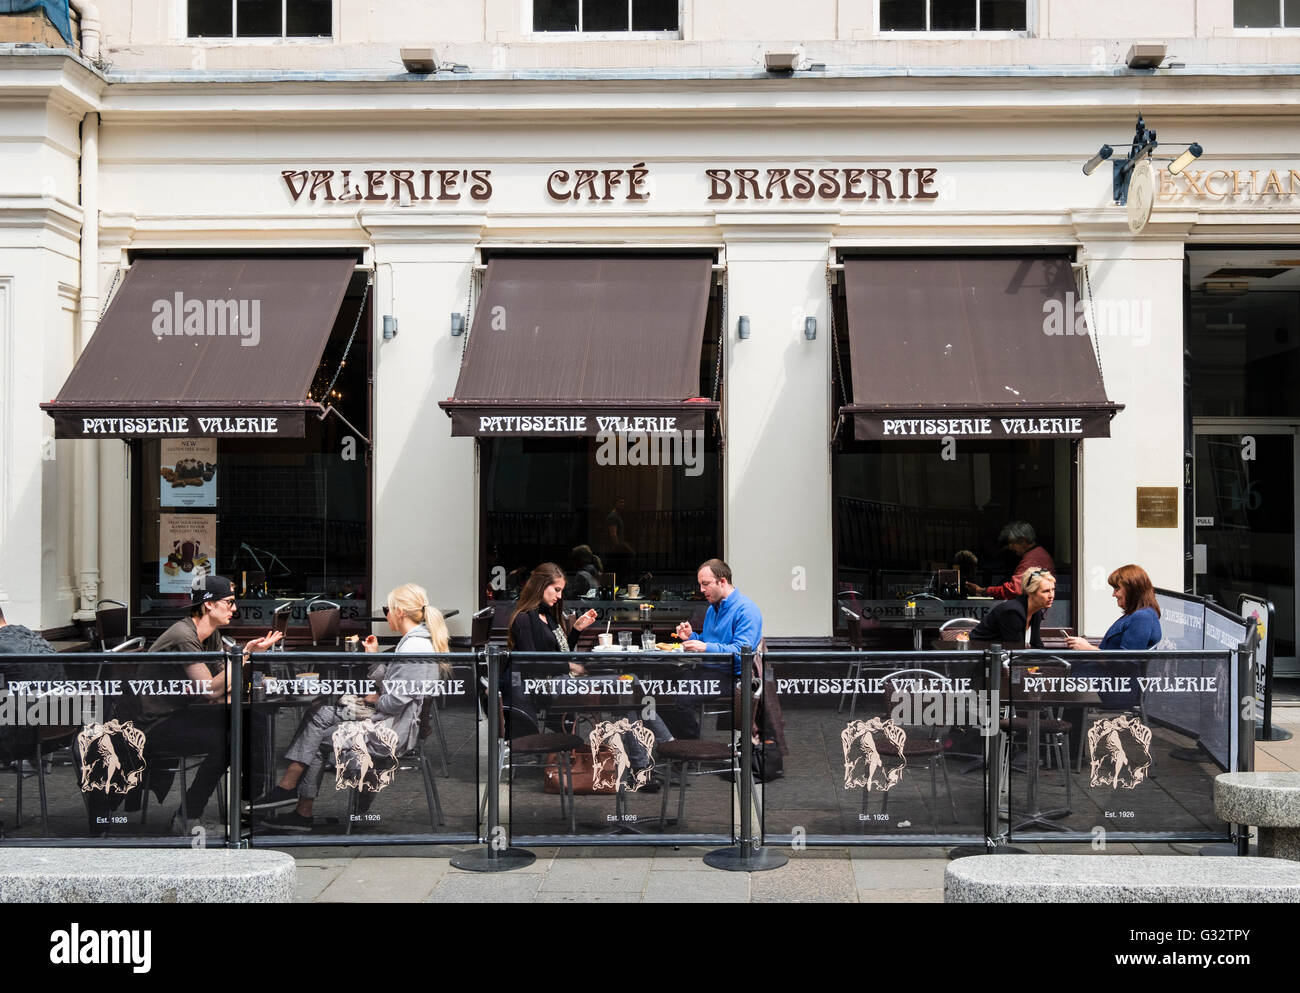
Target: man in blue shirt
733 620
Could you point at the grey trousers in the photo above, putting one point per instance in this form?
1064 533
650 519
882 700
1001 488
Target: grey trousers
305 748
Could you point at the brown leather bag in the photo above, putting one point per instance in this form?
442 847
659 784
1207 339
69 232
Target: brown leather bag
582 770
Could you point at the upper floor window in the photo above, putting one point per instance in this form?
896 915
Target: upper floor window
1266 13
955 15
594 16
259 18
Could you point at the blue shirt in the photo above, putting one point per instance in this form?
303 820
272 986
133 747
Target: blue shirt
1137 631
730 625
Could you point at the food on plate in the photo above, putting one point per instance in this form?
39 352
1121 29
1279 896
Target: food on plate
668 646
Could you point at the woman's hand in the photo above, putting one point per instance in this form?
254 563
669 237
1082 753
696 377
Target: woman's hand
585 621
371 698
370 644
1080 644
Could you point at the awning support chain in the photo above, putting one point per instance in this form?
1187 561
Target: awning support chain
722 339
365 293
108 297
835 345
469 308
331 409
1092 327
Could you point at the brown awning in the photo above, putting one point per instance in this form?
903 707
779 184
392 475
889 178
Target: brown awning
971 348
580 346
205 347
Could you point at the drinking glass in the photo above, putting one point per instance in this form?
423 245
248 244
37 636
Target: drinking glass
625 640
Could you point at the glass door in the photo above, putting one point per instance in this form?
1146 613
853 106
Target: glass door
1245 520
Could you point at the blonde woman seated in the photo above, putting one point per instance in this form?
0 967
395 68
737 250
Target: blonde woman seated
422 631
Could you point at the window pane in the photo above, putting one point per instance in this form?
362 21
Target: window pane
1292 19
1245 350
209 19
902 15
1002 15
952 15
654 15
259 19
604 15
308 19
1255 13
555 15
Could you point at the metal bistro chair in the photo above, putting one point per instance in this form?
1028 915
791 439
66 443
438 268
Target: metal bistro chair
112 624
949 630
323 619
280 619
480 627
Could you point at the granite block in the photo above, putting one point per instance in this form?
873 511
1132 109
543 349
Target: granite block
145 875
1262 799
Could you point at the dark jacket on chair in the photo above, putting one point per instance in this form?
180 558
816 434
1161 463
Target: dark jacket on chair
1005 625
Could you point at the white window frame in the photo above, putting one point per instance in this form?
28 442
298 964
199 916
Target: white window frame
180 17
527 11
1291 30
1031 17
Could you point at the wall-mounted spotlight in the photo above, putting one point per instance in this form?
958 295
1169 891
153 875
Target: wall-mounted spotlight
421 61
1193 152
810 328
780 61
457 325
742 327
1102 155
390 327
1148 56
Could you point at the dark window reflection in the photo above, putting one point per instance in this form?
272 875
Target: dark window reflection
654 15
1292 18
604 15
1002 15
902 15
1256 13
1245 354
259 19
209 19
952 15
308 19
555 15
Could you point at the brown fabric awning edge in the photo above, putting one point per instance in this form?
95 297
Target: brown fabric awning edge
560 419
879 423
186 421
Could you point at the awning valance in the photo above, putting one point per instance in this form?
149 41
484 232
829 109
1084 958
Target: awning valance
565 346
971 348
205 347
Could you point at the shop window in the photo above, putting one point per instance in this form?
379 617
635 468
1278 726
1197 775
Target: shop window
259 18
954 15
1266 13
605 16
287 519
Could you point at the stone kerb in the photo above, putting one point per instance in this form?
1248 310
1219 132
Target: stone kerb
1267 800
142 875
1120 879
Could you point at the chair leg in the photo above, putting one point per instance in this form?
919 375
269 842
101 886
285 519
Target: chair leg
40 783
943 767
934 794
18 800
663 805
185 814
442 739
681 794
430 794
566 785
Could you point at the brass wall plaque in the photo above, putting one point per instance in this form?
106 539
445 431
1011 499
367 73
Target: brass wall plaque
1157 506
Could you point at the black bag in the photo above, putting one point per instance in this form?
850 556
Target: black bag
769 764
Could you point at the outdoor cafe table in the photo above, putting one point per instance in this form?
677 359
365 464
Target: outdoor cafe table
917 625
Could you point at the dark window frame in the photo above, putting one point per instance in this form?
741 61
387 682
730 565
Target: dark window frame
629 32
234 34
927 30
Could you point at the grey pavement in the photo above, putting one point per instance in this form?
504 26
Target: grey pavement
649 875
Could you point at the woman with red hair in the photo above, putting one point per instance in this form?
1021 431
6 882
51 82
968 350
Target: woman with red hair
1139 627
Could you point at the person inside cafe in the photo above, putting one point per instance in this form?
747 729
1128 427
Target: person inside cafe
423 631
1015 623
967 566
199 730
1019 538
1136 630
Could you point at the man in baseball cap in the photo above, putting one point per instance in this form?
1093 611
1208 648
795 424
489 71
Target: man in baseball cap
204 730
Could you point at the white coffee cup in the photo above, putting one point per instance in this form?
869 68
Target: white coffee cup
605 639
634 591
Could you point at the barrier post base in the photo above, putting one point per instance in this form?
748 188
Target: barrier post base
1275 733
491 860
744 858
966 851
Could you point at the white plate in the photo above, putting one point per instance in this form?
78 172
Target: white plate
607 648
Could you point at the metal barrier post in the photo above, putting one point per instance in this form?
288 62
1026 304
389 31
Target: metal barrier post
748 855
235 693
496 855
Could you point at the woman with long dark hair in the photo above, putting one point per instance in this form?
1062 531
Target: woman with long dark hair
537 625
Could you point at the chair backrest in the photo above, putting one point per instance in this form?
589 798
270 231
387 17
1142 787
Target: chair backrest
949 629
112 624
854 627
323 618
480 629
135 644
280 619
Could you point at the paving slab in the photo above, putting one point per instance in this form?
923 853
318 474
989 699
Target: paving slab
902 896
899 874
390 880
597 876
805 880
704 886
487 887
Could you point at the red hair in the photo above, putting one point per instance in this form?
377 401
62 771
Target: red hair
1137 587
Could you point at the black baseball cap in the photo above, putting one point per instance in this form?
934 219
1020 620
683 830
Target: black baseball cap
212 588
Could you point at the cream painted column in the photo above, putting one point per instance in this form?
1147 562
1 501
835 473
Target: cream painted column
1137 314
777 418
425 505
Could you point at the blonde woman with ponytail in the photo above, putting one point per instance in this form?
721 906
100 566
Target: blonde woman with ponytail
423 631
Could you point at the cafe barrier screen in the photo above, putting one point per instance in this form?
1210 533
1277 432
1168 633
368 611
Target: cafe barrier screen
874 748
618 747
1091 754
367 748
99 749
